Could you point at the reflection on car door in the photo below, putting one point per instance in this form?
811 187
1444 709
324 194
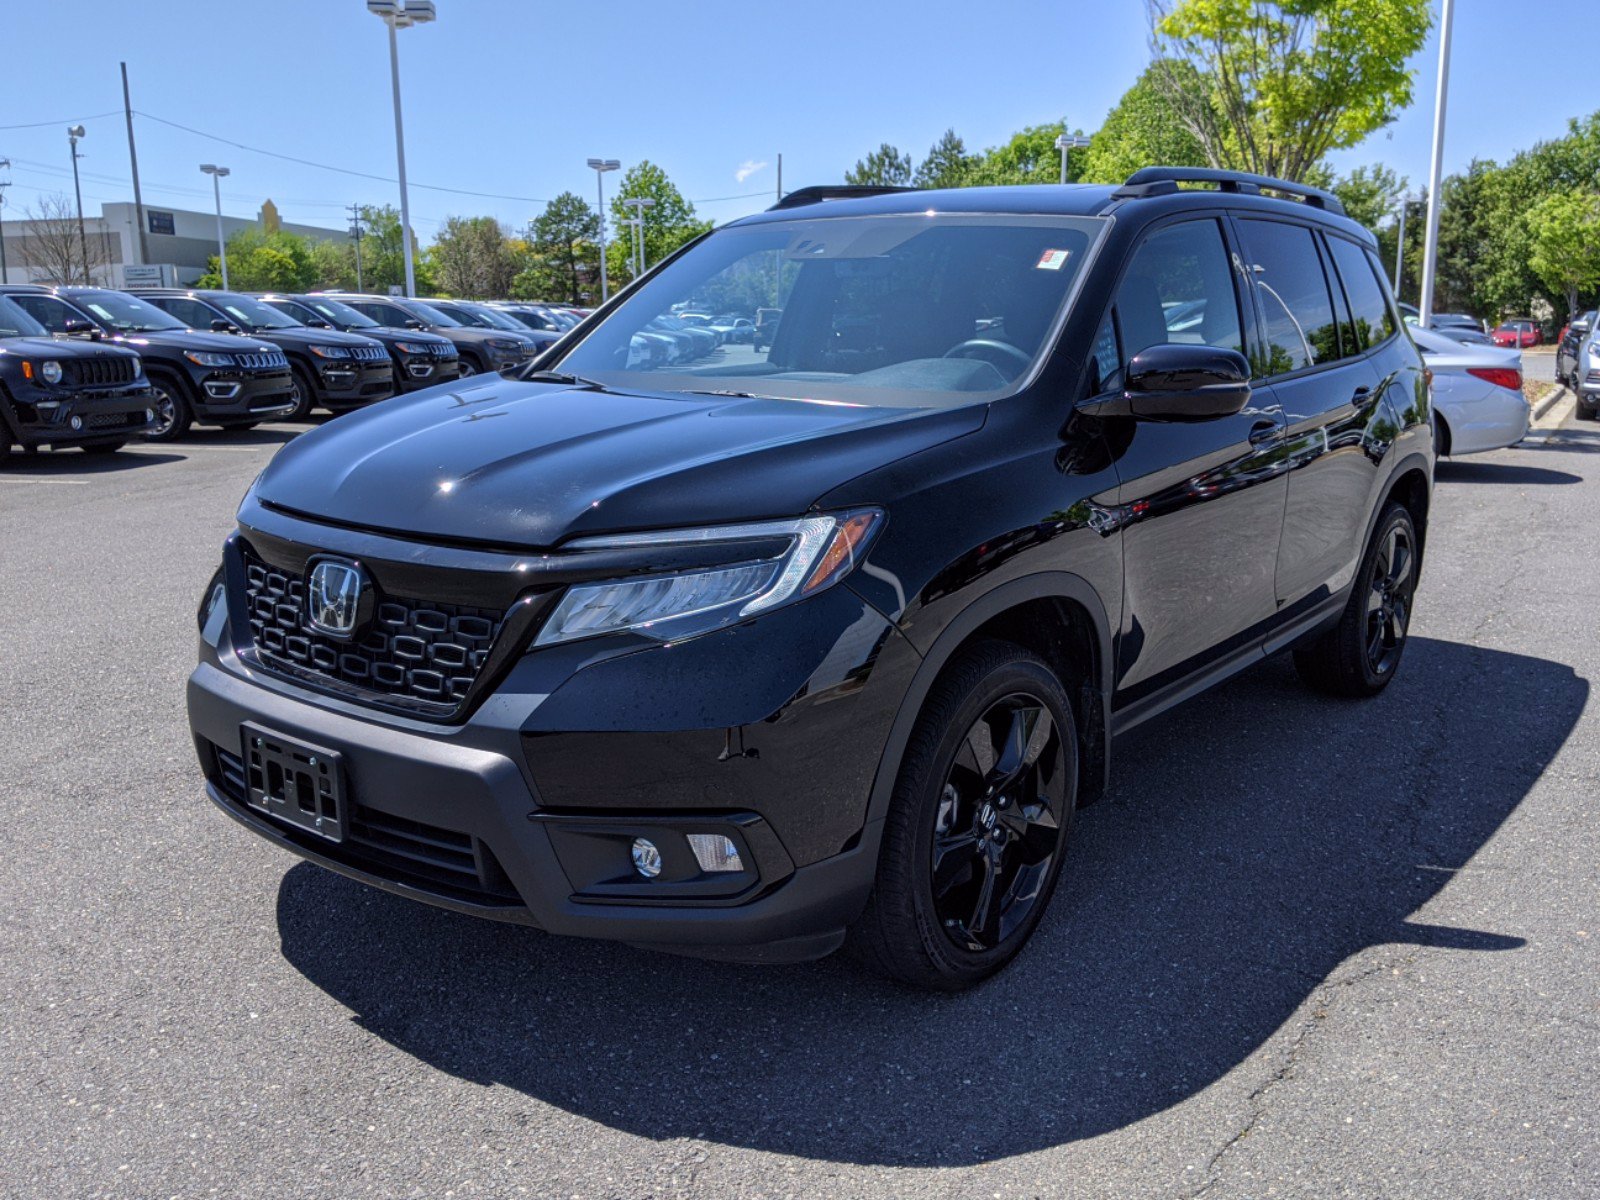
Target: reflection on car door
1202 502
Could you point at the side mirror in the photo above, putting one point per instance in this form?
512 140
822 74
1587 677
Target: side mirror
73 326
317 323
218 325
415 324
1179 383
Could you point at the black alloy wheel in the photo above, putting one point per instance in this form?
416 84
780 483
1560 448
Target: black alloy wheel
173 414
300 392
1389 599
465 367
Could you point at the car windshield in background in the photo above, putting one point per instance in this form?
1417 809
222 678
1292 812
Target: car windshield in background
431 315
129 314
336 312
923 310
253 314
16 323
496 319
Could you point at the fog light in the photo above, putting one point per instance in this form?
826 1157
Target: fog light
714 852
646 858
76 422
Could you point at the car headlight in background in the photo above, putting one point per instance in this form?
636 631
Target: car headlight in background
412 347
506 346
821 550
208 358
330 352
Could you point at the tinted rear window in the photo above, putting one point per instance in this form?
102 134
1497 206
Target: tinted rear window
1298 308
1369 307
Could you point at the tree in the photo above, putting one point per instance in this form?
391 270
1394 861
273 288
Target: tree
335 265
884 167
473 257
55 249
1029 157
264 262
564 238
669 222
947 164
1143 131
383 252
1565 229
1285 82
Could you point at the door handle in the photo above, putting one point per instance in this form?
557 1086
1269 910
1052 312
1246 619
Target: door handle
1263 431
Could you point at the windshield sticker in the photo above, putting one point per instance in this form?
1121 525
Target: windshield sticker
1054 260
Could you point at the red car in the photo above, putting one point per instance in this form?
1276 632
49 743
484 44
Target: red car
1520 334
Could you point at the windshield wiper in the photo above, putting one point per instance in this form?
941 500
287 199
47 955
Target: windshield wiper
723 392
560 377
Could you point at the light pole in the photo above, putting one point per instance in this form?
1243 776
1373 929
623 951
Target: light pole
1069 142
216 174
402 14
1400 248
600 166
1430 247
639 204
4 184
74 132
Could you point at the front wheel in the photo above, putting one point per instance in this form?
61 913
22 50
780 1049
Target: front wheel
174 415
465 367
304 398
978 824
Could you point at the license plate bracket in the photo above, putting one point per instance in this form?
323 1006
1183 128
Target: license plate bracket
294 781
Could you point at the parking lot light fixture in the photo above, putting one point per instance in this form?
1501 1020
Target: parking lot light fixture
216 174
639 204
600 166
75 132
397 15
1067 142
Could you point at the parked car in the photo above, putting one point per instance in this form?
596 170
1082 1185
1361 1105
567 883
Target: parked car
1464 335
478 349
61 392
328 368
483 316
745 660
1456 321
1478 402
1521 334
537 317
732 328
766 325
420 359
1567 352
196 376
1587 375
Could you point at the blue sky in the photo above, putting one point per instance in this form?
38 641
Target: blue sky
511 96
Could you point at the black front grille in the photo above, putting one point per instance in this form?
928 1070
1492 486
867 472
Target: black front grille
369 353
127 420
443 861
107 371
441 349
274 360
416 651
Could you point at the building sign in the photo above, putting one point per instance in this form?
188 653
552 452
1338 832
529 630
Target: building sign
161 222
135 275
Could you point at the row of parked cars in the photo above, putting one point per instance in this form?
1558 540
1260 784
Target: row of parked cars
94 367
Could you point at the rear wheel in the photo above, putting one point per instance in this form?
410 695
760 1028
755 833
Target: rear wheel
174 413
304 398
1360 655
978 824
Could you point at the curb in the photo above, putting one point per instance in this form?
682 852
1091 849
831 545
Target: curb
1550 401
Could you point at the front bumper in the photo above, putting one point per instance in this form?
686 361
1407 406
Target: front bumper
73 418
230 396
413 372
343 384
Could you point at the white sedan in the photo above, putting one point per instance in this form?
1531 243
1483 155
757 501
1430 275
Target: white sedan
1478 402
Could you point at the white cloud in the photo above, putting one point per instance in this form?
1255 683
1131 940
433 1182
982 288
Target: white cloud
748 168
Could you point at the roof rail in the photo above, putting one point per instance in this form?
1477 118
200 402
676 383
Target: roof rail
1163 181
828 191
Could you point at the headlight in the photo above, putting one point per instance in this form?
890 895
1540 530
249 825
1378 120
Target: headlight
330 352
412 347
821 551
211 600
505 345
50 371
208 358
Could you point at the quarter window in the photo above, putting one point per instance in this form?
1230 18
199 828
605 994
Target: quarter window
1300 328
1372 319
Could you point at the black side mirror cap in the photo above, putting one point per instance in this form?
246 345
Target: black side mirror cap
72 326
218 325
317 323
1175 382
415 324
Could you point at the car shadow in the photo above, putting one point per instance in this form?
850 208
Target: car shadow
1446 471
49 463
1252 844
258 435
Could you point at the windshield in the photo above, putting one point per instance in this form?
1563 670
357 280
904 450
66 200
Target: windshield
252 314
494 318
901 310
429 315
16 323
124 313
339 314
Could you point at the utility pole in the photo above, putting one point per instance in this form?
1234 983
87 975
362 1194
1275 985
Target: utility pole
355 230
74 132
1430 250
4 184
133 159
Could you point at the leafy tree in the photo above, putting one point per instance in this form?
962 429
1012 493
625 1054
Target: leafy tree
1029 157
264 262
564 238
383 254
472 256
1565 229
884 167
947 163
1143 130
1286 82
668 223
335 265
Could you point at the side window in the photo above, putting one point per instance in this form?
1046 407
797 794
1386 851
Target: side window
1103 354
383 314
46 310
1372 318
1300 327
1179 288
191 312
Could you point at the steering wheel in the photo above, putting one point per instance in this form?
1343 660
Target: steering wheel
1005 349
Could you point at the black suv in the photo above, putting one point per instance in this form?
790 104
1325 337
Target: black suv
204 377
63 392
329 369
420 359
480 349
751 655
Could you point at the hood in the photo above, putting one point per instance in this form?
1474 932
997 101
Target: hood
527 464
388 336
63 347
194 339
302 338
473 336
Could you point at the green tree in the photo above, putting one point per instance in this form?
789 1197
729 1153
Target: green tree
473 257
383 253
1565 230
1029 157
947 163
669 222
335 266
884 167
1286 82
264 262
564 238
1143 131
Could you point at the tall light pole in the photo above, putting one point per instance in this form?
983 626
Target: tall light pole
74 132
4 184
600 166
1068 141
402 14
1400 247
1430 248
216 174
639 204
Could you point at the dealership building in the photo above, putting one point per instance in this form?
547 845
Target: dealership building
178 244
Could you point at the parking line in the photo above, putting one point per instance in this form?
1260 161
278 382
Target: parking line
67 482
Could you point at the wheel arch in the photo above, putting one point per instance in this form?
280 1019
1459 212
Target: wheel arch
1411 485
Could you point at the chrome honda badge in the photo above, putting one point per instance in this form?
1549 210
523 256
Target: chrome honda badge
333 597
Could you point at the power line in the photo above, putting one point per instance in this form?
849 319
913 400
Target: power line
74 121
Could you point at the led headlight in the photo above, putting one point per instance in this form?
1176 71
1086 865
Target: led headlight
506 346
821 550
330 352
412 347
50 371
208 358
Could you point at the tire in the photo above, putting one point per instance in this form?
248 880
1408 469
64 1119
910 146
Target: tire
466 367
1582 411
103 447
1001 703
1441 437
1361 655
174 412
304 398
5 441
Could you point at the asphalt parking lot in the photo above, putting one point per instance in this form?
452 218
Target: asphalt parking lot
1306 948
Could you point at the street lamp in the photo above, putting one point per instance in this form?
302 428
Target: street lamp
1067 142
4 184
1441 102
216 174
600 166
1400 249
74 132
639 204
402 14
